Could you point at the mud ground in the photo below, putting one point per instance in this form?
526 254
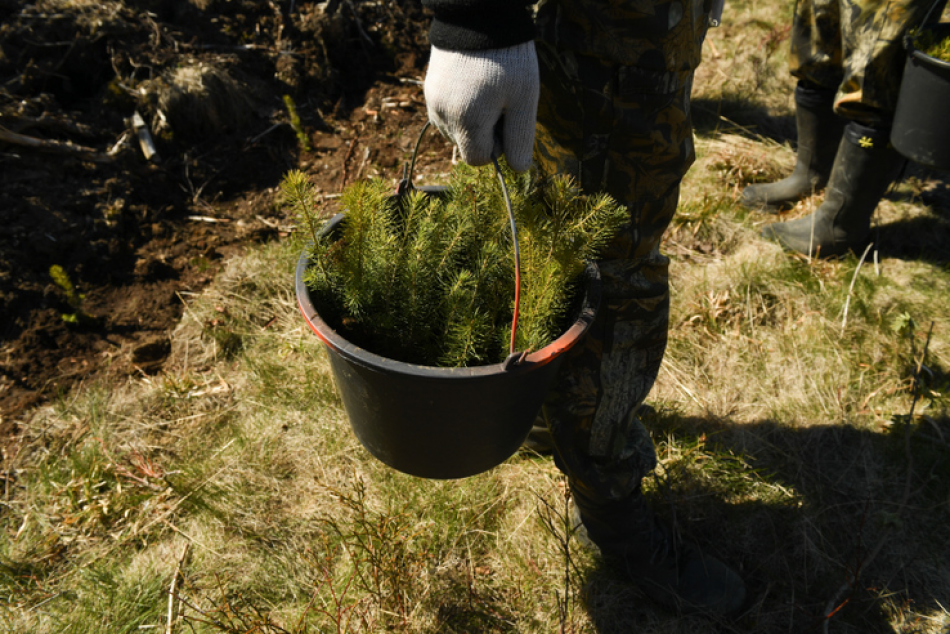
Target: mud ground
134 236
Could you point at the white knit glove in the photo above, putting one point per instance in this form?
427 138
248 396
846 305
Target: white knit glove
468 92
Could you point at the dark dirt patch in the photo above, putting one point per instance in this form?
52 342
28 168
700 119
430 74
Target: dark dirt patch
133 236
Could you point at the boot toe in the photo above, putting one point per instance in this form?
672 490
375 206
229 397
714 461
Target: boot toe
780 232
800 236
751 197
700 585
773 232
709 585
773 198
756 198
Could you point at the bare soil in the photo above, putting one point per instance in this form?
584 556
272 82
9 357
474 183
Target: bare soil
134 236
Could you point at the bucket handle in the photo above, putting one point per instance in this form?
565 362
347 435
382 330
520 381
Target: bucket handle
514 244
908 44
405 185
929 11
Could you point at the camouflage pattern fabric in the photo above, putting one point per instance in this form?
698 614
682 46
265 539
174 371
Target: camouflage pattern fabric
643 33
855 47
624 129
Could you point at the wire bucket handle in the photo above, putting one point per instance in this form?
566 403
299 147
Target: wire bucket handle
926 20
933 7
405 185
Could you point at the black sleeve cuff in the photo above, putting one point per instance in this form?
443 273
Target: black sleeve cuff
466 25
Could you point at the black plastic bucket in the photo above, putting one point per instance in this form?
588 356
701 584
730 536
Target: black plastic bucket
921 128
443 423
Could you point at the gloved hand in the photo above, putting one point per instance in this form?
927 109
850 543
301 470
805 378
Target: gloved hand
468 92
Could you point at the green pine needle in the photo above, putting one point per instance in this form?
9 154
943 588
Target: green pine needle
430 279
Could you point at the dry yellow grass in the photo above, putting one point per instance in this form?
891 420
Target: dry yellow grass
782 429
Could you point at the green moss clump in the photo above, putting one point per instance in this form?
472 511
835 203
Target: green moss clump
429 279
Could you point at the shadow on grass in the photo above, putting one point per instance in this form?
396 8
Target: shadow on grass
924 237
741 116
800 513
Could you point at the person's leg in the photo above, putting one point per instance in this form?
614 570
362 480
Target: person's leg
626 131
865 164
816 53
874 57
816 61
819 132
864 168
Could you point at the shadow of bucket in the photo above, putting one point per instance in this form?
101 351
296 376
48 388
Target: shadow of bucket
443 423
921 127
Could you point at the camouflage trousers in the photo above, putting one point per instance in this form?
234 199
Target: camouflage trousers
856 48
627 131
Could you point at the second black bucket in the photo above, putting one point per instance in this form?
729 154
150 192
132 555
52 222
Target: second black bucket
442 423
921 129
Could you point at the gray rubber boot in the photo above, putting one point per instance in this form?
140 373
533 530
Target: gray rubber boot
865 167
819 131
669 570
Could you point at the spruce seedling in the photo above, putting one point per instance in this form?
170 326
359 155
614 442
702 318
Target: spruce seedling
302 199
73 297
429 279
302 138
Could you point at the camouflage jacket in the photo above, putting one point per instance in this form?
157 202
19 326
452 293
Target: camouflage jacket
648 33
